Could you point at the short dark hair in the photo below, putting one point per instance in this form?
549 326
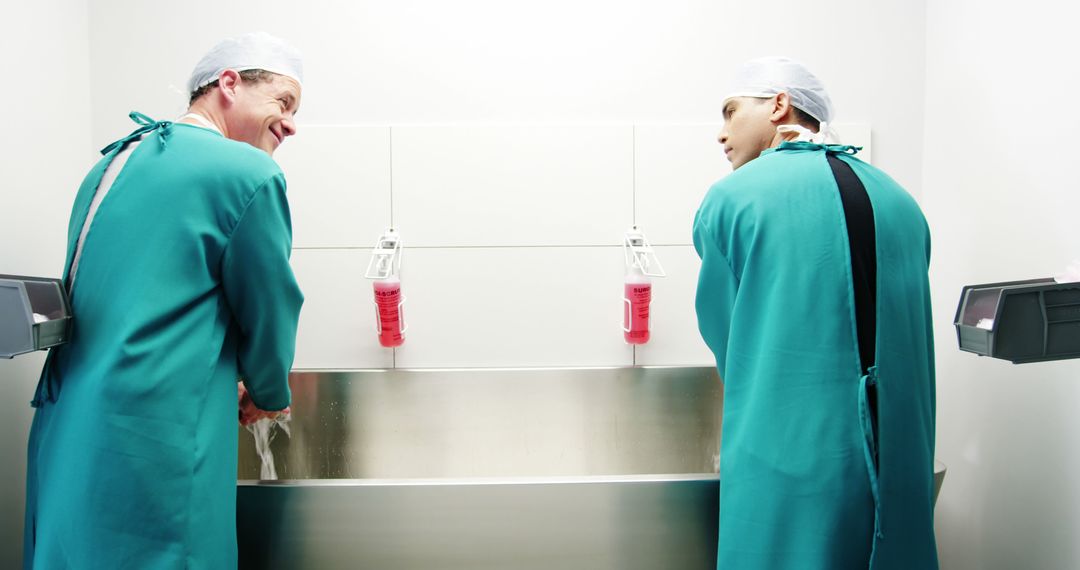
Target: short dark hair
247 76
805 119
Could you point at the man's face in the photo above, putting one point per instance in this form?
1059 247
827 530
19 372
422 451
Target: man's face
748 129
263 112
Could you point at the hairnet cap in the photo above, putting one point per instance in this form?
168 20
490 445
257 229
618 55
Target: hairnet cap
769 76
257 50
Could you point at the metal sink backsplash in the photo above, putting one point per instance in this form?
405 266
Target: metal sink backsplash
469 423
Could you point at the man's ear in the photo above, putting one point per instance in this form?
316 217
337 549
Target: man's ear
781 107
228 83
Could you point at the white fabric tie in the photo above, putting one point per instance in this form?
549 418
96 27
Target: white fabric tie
806 135
203 122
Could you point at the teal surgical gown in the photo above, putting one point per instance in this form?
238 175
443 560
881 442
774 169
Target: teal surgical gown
800 488
183 287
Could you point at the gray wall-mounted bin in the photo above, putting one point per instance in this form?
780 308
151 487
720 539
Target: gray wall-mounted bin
1020 321
34 314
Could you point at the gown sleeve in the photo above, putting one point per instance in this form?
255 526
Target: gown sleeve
716 291
263 294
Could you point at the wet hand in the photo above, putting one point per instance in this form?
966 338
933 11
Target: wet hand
250 414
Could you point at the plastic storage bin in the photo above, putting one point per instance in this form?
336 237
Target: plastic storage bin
34 314
1020 321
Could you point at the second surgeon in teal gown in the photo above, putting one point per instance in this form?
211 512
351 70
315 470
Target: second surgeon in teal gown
807 481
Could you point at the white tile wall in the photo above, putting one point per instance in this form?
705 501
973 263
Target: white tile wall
482 212
483 186
337 322
673 322
339 184
503 307
675 166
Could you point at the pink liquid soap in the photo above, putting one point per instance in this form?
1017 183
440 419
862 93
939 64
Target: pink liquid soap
388 302
639 295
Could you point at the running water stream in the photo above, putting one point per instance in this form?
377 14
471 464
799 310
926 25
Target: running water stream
264 431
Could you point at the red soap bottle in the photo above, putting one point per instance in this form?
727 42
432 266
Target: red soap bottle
390 322
637 295
384 270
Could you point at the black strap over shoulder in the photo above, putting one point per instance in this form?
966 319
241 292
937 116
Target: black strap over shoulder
859 214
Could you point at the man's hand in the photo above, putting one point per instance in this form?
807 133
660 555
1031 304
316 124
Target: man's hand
249 414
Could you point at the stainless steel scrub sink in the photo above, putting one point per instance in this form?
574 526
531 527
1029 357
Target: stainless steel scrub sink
482 423
489 469
523 469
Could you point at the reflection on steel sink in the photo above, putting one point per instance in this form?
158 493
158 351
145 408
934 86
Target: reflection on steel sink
397 424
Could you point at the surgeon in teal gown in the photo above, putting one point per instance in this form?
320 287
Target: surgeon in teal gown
826 460
183 286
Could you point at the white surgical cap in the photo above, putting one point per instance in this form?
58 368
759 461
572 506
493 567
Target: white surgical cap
769 76
257 50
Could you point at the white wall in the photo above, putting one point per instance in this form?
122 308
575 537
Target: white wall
557 61
512 240
44 152
1001 192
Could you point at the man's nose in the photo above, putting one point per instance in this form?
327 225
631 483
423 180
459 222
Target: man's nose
722 137
288 127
